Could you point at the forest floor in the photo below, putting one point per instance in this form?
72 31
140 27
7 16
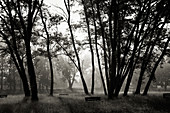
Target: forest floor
75 103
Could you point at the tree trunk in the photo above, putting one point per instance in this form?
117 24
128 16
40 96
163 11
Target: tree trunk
127 85
52 76
31 72
70 85
143 68
1 80
139 83
113 40
14 83
118 88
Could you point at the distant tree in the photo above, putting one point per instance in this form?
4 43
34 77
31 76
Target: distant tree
42 72
68 71
162 75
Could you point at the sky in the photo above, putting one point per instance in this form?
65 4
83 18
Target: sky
52 3
55 2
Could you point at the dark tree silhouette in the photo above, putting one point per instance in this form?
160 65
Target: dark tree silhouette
20 27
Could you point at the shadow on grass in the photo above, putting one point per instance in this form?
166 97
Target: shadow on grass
6 108
77 104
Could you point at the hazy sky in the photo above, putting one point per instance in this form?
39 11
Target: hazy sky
55 2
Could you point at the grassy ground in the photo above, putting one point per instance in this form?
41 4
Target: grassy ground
75 103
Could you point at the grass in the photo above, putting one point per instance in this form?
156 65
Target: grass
75 103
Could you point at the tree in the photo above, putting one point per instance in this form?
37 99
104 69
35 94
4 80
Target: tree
67 5
48 52
96 46
129 30
68 71
11 44
150 47
162 75
42 72
25 12
90 43
155 67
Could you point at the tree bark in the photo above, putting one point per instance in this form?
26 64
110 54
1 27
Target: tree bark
31 72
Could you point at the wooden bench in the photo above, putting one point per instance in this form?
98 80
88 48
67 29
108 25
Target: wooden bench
92 98
166 95
63 94
3 95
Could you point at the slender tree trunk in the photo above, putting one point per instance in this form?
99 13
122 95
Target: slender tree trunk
52 75
99 65
128 83
69 84
14 83
72 82
139 83
2 79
